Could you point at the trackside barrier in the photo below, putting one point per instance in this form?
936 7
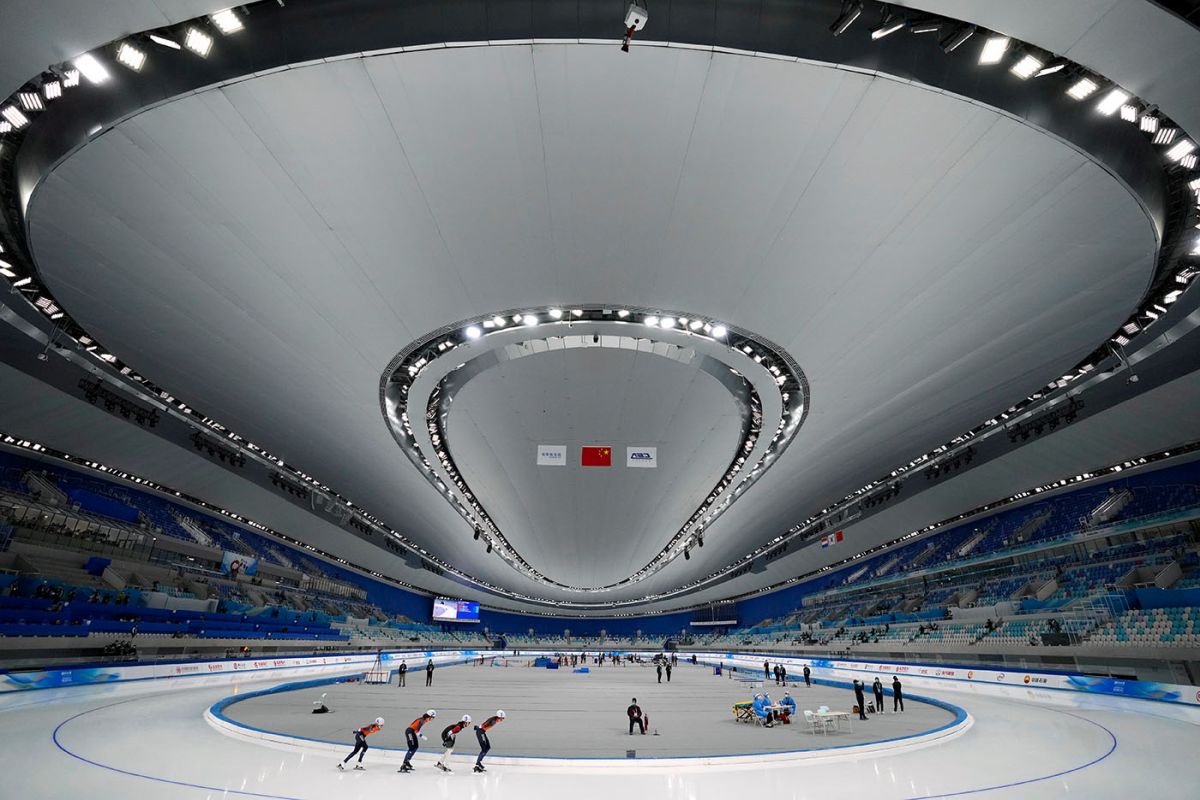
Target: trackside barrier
103 674
929 676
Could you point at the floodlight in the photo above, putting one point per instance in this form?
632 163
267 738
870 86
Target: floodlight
1165 135
31 101
719 331
198 42
1181 149
130 56
70 78
227 21
530 320
556 313
993 50
651 320
931 26
1111 102
52 89
667 322
887 27
14 117
1149 123
1129 113
474 332
91 68
1057 66
1026 67
623 313
958 38
164 41
1083 88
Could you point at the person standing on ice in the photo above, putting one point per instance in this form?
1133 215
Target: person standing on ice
360 743
448 734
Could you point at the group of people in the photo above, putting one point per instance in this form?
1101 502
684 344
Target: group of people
662 663
402 674
877 689
770 712
779 671
413 732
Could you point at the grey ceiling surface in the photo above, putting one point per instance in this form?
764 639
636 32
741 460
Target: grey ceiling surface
262 250
597 524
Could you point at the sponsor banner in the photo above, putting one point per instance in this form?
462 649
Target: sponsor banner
596 456
1141 690
234 564
551 455
641 457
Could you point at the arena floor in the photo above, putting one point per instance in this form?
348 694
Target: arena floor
559 713
150 739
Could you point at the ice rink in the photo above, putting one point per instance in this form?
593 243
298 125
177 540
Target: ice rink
560 713
149 739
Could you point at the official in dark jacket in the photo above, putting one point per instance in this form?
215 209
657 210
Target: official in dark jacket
859 699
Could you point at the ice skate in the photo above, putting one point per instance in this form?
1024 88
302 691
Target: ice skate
360 767
479 768
443 767
341 767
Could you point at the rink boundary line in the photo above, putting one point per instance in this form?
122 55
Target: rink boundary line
214 715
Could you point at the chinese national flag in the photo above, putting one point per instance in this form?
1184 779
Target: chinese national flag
597 456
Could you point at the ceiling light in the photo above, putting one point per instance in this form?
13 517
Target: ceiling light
165 42
30 101
516 318
1149 123
5 126
623 313
850 12
957 38
474 332
1082 88
994 50
931 26
695 324
667 322
556 313
1026 67
227 21
530 320
1165 135
1057 66
91 68
1189 161
197 41
1111 102
719 331
1181 149
887 27
14 117
498 321
576 312
52 89
651 320
1129 113
130 56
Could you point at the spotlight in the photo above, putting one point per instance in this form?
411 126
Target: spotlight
474 332
623 313
1180 150
1165 135
993 50
198 42
1054 67
478 532
695 324
851 10
1026 67
489 546
14 116
91 68
687 555
131 57
31 101
556 313
669 322
499 321
929 26
52 89
1111 102
1148 123
719 331
163 41
651 320
886 27
70 78
1083 88
529 320
957 38
226 21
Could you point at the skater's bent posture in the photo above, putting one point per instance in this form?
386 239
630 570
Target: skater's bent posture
448 734
481 735
410 737
360 742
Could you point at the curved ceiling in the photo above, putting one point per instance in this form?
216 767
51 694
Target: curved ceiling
596 526
263 249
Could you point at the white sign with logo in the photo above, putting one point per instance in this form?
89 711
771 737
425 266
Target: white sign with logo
552 455
645 457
